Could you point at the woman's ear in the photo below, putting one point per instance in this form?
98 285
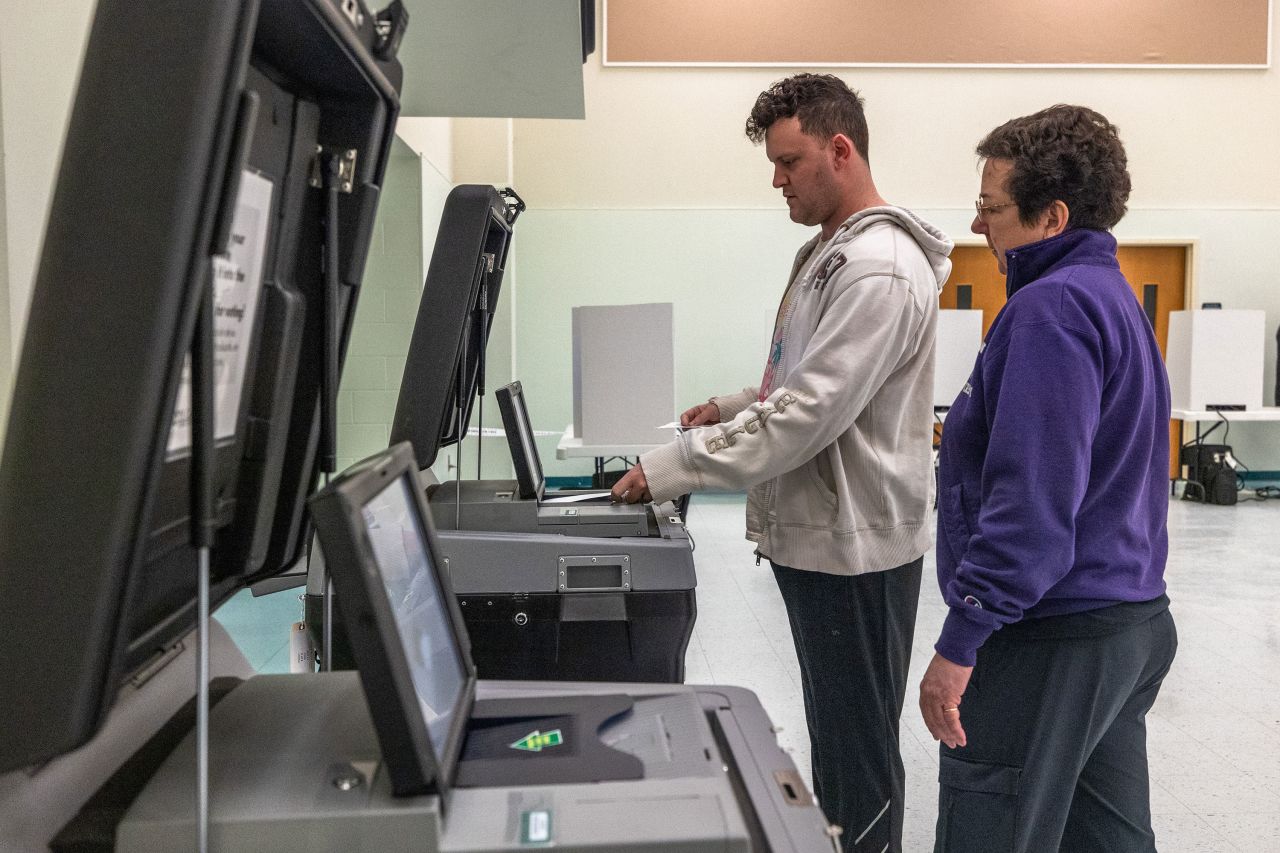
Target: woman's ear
1054 220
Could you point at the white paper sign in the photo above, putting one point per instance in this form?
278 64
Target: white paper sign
237 288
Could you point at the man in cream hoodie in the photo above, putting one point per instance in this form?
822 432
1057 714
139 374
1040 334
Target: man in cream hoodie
835 446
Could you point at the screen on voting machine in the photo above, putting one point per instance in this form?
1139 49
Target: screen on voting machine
421 612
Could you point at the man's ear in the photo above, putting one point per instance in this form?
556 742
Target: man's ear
1056 218
842 149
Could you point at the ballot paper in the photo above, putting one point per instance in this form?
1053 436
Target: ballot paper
578 498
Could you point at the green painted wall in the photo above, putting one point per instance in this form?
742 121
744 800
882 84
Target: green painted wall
384 315
724 271
413 198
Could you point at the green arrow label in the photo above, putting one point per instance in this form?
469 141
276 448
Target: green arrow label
535 740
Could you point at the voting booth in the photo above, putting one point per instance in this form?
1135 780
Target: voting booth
171 420
206 241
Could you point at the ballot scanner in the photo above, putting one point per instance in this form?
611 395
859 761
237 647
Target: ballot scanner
436 760
551 587
172 417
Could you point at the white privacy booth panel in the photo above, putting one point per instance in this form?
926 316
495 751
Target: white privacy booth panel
959 339
1215 358
623 373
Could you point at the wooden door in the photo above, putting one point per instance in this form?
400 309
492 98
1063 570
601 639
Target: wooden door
1157 274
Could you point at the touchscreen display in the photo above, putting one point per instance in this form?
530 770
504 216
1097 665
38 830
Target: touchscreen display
421 613
526 441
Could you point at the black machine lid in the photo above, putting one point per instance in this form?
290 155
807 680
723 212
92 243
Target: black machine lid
444 370
215 160
530 480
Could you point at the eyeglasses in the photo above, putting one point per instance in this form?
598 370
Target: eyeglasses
984 209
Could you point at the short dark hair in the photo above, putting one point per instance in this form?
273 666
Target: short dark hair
823 103
1066 153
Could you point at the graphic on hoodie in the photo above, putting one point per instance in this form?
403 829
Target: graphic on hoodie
775 348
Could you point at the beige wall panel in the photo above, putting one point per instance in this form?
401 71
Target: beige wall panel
960 32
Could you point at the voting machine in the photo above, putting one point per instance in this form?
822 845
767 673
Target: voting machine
581 590
437 760
173 410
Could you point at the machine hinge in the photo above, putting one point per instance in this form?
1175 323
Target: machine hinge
346 167
153 667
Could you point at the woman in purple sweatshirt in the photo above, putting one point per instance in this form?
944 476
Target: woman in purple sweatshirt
1052 499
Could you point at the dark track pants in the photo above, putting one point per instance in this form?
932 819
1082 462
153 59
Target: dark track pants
1057 742
853 639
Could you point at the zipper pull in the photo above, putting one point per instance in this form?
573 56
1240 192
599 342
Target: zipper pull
758 555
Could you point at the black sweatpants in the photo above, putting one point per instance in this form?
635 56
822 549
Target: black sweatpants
853 639
1055 719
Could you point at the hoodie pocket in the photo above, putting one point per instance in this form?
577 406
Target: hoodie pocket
955 525
802 498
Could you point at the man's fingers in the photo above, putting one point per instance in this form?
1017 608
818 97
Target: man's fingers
632 488
639 487
621 489
700 415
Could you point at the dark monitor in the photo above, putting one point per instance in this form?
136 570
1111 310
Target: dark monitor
530 480
445 366
203 175
402 618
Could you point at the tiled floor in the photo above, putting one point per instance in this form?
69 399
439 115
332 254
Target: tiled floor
1214 735
260 626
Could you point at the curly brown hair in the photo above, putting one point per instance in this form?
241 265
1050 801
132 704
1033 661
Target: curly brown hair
1066 153
823 103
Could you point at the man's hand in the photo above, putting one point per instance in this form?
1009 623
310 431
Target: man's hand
632 488
940 691
701 415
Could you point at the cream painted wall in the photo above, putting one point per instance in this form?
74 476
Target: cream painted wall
6 330
672 137
482 150
40 58
39 65
658 196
